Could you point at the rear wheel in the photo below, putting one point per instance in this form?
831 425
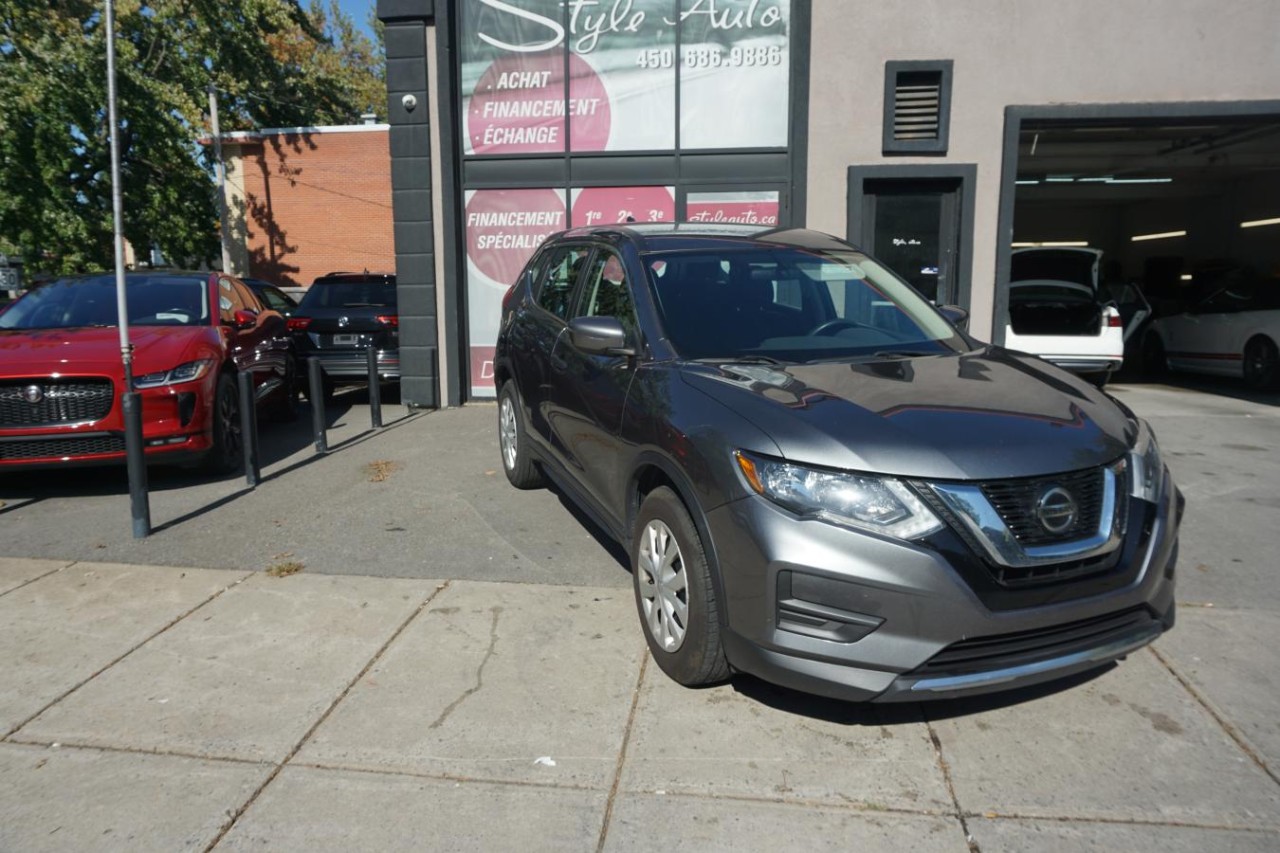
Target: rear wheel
1098 380
227 453
1262 364
514 443
674 593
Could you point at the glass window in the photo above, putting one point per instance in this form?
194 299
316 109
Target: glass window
791 305
556 292
607 293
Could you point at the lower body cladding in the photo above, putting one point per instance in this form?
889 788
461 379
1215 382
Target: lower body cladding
853 616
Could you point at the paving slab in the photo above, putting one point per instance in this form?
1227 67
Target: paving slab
59 630
246 677
1019 836
490 679
86 799
1130 744
16 572
646 822
1229 655
776 744
307 809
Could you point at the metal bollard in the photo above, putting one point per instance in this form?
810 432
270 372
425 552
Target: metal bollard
315 385
135 462
375 389
249 429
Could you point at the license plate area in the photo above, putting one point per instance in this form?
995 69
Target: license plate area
345 340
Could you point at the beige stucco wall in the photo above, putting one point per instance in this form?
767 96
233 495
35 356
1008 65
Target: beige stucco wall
1018 52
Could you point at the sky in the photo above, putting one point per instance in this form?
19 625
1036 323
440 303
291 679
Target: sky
359 12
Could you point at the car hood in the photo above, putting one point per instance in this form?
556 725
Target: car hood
987 414
43 352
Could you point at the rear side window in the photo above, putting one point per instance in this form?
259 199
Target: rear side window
556 291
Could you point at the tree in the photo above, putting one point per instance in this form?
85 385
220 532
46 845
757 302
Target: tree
274 63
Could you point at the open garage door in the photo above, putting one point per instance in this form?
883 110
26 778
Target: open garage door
1181 219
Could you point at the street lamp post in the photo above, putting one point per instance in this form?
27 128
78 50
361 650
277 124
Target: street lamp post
139 504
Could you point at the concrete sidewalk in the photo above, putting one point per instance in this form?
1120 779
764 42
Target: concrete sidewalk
458 665
159 708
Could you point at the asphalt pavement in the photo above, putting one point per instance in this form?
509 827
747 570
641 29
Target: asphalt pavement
387 647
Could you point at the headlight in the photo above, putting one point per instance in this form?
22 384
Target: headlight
188 372
1146 469
879 504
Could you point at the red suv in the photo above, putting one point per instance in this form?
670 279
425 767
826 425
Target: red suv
61 377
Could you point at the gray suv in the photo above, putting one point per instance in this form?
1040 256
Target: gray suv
820 479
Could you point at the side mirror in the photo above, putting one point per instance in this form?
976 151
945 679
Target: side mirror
244 319
956 315
599 336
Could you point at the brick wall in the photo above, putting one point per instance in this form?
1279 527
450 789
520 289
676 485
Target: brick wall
311 202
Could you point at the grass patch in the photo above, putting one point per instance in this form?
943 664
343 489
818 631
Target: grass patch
282 566
380 470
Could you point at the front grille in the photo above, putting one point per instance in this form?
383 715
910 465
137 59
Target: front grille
60 402
1015 501
983 654
57 448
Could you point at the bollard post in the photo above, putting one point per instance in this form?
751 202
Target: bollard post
136 465
315 385
249 429
375 389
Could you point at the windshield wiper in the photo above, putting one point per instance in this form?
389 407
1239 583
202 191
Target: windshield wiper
364 305
902 353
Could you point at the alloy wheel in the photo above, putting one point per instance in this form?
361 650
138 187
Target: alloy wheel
664 588
507 433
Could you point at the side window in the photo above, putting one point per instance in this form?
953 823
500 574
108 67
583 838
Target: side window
229 300
606 292
276 301
247 297
556 293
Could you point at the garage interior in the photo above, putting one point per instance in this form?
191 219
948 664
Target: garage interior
1180 207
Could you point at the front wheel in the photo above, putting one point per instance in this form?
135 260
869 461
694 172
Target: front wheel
227 453
514 443
674 593
1262 365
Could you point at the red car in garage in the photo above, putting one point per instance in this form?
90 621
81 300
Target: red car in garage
61 378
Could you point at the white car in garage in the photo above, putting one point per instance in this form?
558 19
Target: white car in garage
1233 331
1058 311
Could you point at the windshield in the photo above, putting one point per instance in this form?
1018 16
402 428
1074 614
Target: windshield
79 302
792 305
350 294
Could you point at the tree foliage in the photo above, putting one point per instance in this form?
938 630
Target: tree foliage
274 63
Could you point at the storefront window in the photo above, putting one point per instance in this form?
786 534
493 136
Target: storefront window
745 208
612 205
503 229
624 60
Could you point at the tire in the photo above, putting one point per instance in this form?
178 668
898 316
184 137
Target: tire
1262 364
513 443
286 410
1154 361
675 597
227 453
1098 380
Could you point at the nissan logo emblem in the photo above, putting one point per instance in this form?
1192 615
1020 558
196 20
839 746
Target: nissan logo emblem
343 322
33 394
1056 510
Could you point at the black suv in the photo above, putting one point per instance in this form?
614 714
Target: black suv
819 478
341 316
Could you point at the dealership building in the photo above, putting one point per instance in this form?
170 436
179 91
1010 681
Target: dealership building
937 134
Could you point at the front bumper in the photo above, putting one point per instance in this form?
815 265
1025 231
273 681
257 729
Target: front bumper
831 611
176 429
